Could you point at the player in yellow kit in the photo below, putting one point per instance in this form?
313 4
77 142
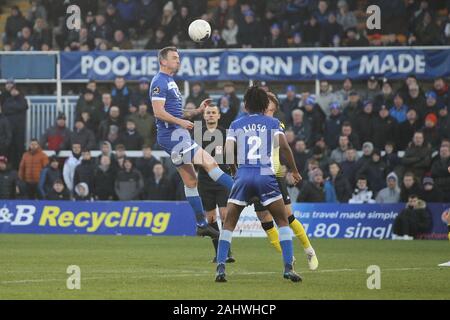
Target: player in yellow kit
266 218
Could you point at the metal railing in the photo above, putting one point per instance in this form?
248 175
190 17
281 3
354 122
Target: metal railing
42 113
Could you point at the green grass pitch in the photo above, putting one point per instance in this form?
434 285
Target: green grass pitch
134 267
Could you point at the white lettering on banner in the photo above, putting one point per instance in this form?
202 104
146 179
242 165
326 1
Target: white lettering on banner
266 65
403 63
120 65
24 215
200 66
326 65
233 65
214 66
86 63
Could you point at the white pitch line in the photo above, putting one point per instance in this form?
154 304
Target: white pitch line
203 273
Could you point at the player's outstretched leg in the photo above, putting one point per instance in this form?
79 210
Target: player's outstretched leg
210 165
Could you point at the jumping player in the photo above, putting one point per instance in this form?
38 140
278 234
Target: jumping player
213 194
265 217
255 137
173 136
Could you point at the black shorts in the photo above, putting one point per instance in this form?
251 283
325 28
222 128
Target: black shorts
213 197
284 192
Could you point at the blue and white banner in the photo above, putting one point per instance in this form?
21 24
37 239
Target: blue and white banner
320 220
348 221
268 65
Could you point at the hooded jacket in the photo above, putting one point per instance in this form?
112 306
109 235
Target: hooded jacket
388 195
69 170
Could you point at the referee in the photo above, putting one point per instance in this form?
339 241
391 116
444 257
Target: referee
213 194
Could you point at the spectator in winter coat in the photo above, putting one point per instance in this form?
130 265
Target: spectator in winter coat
111 127
375 171
197 94
58 191
104 178
145 124
362 194
313 115
340 183
407 129
302 129
390 194
15 109
33 161
348 166
84 172
289 103
412 221
5 134
431 132
121 95
88 103
8 178
57 138
333 125
141 96
398 111
440 171
444 122
83 136
49 175
325 97
129 182
384 128
390 157
409 186
430 193
338 154
159 187
131 139
70 165
146 164
313 190
365 121
82 192
417 157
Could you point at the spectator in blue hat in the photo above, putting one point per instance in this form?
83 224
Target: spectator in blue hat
333 125
276 38
399 109
430 106
142 94
289 103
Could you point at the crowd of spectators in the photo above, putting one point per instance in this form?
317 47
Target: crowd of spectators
153 24
346 143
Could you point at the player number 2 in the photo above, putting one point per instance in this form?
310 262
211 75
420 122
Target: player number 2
254 143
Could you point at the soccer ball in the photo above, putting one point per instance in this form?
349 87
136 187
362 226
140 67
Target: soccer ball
199 30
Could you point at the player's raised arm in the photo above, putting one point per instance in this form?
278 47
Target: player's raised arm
192 113
286 151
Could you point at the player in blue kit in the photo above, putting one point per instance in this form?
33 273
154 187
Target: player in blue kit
173 136
256 136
